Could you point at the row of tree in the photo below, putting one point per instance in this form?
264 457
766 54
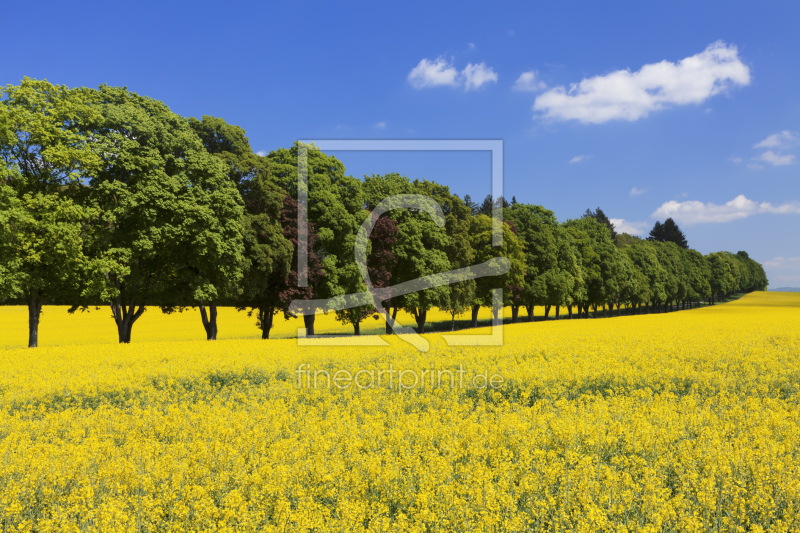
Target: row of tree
109 198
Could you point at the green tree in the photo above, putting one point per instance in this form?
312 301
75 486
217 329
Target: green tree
481 230
44 158
651 290
537 229
624 240
335 210
601 217
230 144
461 254
723 278
698 273
600 262
668 232
670 257
165 203
41 249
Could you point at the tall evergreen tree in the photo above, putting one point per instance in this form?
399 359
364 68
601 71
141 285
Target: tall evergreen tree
668 232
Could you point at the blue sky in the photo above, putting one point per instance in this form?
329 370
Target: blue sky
645 109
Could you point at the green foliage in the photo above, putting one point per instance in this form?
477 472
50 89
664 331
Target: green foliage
624 240
165 205
108 197
668 232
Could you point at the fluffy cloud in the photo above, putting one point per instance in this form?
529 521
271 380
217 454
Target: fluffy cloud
262 153
433 73
478 75
626 95
578 159
776 160
694 212
632 228
440 72
529 82
637 192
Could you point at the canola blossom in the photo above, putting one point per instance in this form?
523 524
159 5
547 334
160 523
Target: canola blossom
683 421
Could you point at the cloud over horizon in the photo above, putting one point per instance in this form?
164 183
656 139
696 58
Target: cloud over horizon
694 212
626 95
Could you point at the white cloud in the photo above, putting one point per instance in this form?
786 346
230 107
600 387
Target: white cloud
776 160
578 159
778 143
529 82
262 153
471 46
694 212
381 125
783 139
637 192
440 72
477 75
632 228
433 73
626 95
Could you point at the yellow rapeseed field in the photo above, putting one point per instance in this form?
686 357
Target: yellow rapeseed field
685 421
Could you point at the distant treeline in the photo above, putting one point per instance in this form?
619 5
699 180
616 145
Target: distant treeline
109 198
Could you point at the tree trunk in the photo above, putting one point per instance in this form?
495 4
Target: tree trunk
265 316
495 314
529 310
594 308
569 310
475 309
452 321
420 316
558 310
209 320
125 316
308 320
546 311
34 312
357 327
514 313
390 321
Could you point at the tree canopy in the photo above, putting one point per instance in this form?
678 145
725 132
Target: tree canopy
109 198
